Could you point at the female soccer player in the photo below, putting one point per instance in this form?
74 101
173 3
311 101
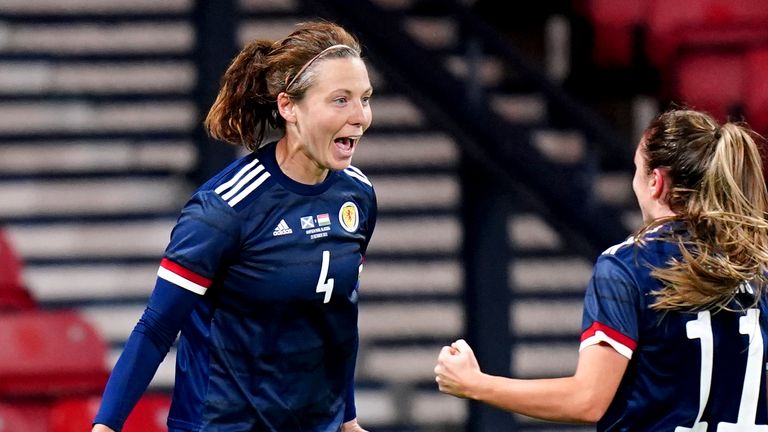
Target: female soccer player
261 273
674 332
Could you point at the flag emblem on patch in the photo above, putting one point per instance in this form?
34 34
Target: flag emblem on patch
348 216
323 219
307 222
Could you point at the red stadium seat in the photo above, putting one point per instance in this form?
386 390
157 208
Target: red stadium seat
48 354
674 26
76 414
614 23
13 292
710 82
756 89
27 417
13 419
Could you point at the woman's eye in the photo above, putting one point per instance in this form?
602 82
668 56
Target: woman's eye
340 101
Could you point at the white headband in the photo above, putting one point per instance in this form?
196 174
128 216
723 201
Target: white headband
312 60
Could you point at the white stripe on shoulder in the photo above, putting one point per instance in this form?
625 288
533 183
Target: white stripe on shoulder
224 186
242 183
356 173
615 248
251 187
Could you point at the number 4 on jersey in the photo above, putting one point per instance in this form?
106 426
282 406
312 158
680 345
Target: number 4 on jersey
323 285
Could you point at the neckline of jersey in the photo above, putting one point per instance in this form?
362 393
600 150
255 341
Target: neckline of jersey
268 158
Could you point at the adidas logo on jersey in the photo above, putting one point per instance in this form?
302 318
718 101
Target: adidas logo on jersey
282 229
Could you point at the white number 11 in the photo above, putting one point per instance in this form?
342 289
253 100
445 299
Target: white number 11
701 328
323 285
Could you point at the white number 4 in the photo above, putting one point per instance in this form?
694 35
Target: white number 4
323 285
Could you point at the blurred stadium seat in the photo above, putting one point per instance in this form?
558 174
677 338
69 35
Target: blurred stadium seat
16 419
76 414
614 25
675 26
13 292
756 89
711 81
47 354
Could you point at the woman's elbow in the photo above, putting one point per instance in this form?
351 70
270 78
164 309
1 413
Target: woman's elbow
592 409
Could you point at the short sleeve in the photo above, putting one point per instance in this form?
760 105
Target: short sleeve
611 308
206 236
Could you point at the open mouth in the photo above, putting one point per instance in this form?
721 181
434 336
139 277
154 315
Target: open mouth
346 144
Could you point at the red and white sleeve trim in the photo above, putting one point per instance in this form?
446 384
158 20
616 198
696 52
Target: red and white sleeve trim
601 333
182 277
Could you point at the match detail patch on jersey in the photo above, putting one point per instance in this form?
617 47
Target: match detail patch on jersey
282 228
597 333
349 216
316 226
242 184
178 275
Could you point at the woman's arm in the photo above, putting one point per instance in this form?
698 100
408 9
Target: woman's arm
583 397
149 342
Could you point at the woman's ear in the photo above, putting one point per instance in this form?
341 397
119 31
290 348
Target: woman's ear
286 107
658 183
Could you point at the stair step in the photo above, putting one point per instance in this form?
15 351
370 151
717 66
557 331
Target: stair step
269 5
264 28
410 320
433 32
382 277
426 150
491 70
72 283
76 240
76 7
169 36
399 364
615 188
417 234
545 359
84 117
417 192
531 232
563 317
96 156
98 196
563 147
550 274
518 108
433 408
45 77
377 407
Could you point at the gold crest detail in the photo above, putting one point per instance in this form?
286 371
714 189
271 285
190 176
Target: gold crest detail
349 216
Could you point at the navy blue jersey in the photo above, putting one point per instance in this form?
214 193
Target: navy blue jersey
688 371
272 344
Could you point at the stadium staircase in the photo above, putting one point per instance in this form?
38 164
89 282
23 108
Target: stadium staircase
98 123
563 176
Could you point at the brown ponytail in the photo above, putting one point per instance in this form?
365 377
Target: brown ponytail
243 109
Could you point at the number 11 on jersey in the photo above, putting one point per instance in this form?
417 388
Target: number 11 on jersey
323 285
